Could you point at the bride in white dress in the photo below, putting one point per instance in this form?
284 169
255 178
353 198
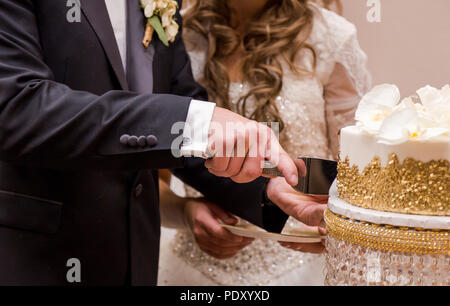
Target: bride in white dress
316 94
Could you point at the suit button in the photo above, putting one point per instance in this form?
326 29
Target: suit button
142 141
132 141
124 139
152 140
138 191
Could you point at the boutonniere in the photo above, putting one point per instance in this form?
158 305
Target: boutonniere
159 14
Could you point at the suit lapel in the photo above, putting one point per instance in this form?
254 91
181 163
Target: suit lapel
97 15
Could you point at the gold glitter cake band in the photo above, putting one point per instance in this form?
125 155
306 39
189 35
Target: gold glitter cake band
413 187
386 238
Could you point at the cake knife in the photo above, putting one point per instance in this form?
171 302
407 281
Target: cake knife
320 174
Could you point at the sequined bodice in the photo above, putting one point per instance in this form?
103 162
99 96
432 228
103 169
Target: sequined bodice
301 105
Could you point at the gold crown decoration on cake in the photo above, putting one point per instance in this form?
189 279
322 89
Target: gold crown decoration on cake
411 187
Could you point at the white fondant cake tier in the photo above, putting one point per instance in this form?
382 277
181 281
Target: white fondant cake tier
361 148
341 207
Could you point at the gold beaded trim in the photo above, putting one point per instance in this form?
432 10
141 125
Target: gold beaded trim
413 187
388 238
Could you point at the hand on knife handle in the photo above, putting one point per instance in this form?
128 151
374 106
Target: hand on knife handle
240 146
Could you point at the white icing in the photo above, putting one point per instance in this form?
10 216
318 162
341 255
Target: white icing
361 148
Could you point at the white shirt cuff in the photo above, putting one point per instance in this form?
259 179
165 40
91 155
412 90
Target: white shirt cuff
196 129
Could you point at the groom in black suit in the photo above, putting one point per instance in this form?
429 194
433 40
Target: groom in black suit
80 142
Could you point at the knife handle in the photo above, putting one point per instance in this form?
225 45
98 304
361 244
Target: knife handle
270 169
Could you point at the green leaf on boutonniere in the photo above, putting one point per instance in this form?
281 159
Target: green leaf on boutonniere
156 24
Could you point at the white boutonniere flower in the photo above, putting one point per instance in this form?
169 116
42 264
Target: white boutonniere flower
159 14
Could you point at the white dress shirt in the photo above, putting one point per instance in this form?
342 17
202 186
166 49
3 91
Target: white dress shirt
200 113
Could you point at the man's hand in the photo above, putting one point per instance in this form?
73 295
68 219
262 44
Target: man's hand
240 147
211 237
305 208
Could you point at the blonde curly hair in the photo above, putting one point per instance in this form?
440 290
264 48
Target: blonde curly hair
279 32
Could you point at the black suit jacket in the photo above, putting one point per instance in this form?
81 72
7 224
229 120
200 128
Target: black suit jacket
68 187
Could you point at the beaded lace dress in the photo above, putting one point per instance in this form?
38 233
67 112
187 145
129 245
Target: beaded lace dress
314 108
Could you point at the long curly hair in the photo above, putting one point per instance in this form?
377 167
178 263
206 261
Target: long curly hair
279 32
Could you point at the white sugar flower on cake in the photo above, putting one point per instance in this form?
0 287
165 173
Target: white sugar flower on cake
375 106
437 103
381 113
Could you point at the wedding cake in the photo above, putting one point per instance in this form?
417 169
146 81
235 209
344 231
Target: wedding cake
389 212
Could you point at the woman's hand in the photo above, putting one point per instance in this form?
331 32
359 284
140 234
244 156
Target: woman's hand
202 217
307 209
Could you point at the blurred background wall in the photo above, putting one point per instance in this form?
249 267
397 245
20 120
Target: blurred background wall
410 47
